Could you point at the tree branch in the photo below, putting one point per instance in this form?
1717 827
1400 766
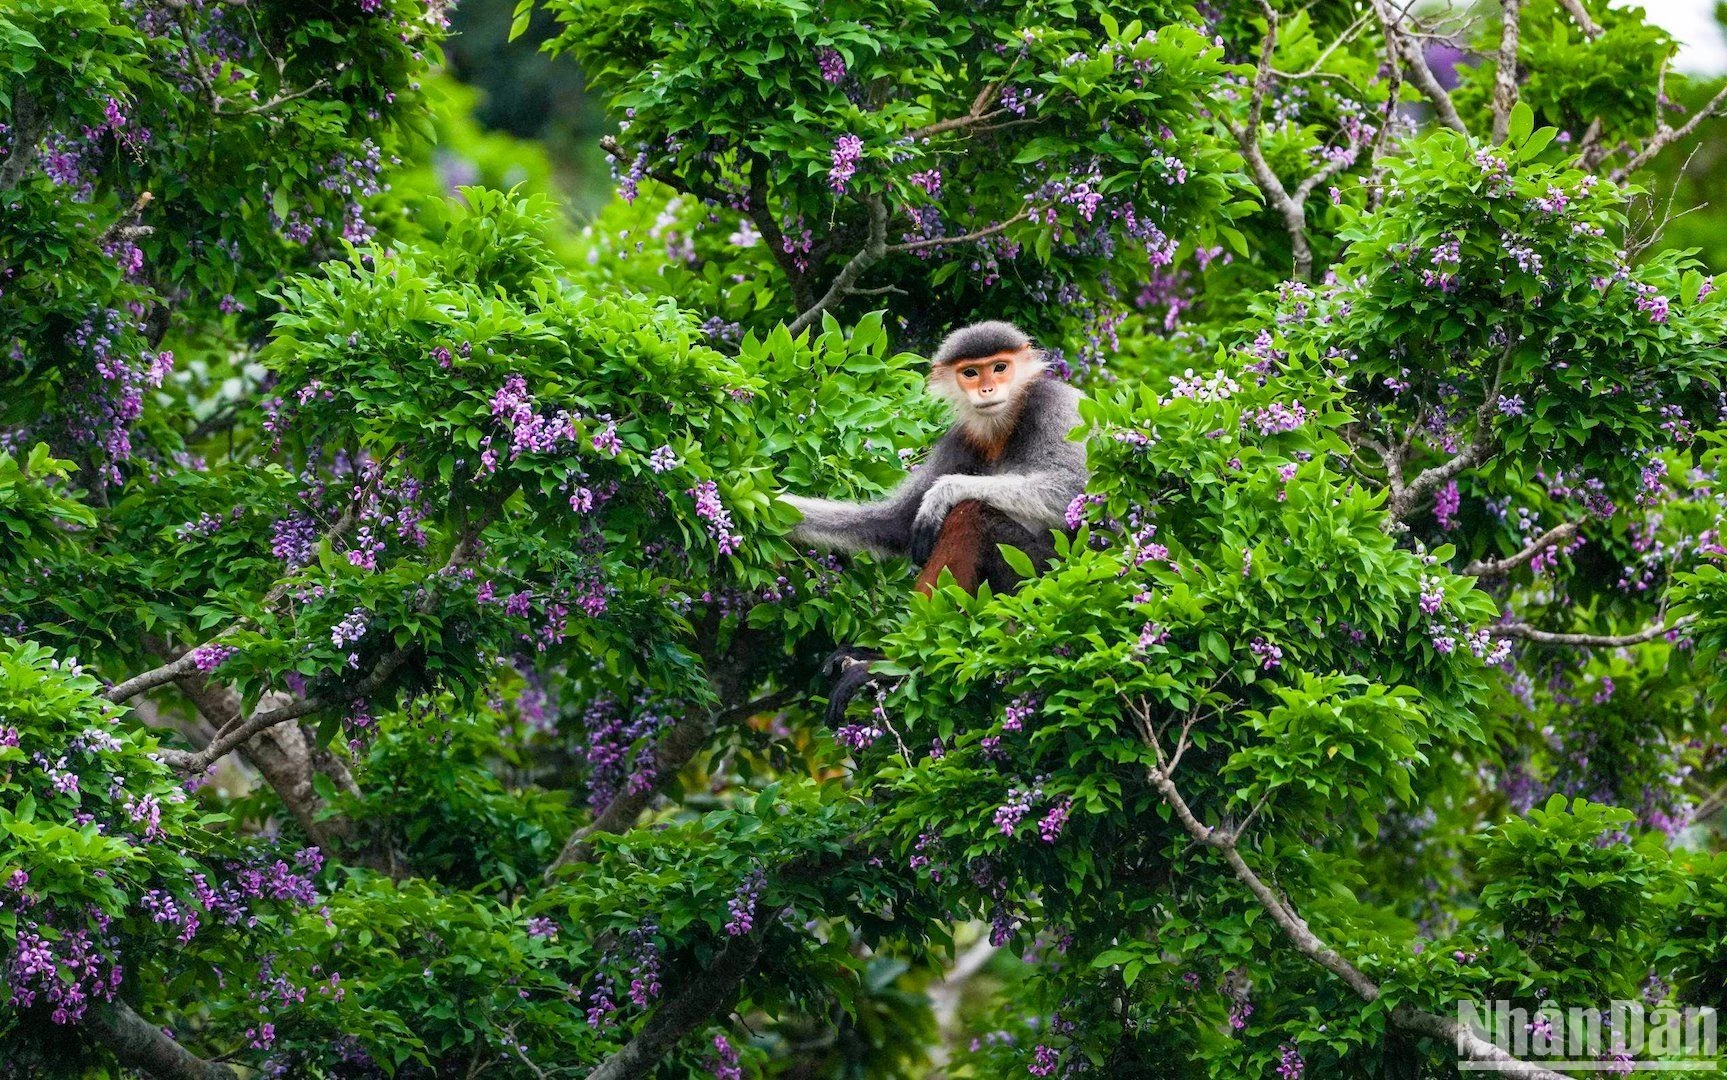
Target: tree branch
672 752
1419 73
1505 73
264 719
1577 11
1593 641
871 253
1306 941
966 238
700 998
141 1045
1665 136
1492 568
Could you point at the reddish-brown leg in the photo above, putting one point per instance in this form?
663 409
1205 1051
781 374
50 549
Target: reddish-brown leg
958 548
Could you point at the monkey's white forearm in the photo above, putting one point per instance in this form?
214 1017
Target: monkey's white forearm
1037 500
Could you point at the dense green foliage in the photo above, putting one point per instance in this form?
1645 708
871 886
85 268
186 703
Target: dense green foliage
405 668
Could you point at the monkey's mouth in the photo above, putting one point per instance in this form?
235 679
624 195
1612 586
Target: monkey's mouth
989 404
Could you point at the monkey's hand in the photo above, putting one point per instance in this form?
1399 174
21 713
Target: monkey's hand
931 512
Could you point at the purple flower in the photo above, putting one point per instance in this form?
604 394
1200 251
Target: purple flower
832 64
719 519
662 460
1270 656
742 906
212 656
847 152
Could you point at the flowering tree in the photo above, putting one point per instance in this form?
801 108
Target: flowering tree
404 668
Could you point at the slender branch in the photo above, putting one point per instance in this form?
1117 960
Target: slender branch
186 664
954 123
139 1044
173 671
1505 73
674 750
1347 36
1665 136
875 247
276 102
1592 641
1576 10
1420 74
1308 943
700 998
1492 568
966 238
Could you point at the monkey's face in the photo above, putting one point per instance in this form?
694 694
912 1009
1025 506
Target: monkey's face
985 384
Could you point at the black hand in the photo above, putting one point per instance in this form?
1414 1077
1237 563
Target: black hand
923 535
852 679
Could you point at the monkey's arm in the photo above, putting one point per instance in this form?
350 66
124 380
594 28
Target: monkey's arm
883 527
1038 500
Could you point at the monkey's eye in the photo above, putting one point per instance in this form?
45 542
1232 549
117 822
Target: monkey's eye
999 368
968 373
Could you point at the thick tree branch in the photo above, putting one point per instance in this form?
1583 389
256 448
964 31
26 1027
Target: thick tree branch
1409 50
676 1017
263 719
871 253
1295 928
139 1044
1491 568
1526 632
1505 74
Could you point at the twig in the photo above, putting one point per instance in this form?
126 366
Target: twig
966 238
1492 568
1592 641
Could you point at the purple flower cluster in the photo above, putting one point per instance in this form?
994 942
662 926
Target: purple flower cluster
210 656
529 431
608 740
1044 1060
847 152
719 519
727 1063
1019 710
1291 1065
1270 656
67 973
832 65
644 964
742 906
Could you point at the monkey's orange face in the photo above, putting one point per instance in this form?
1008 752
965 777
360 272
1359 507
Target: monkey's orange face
987 382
